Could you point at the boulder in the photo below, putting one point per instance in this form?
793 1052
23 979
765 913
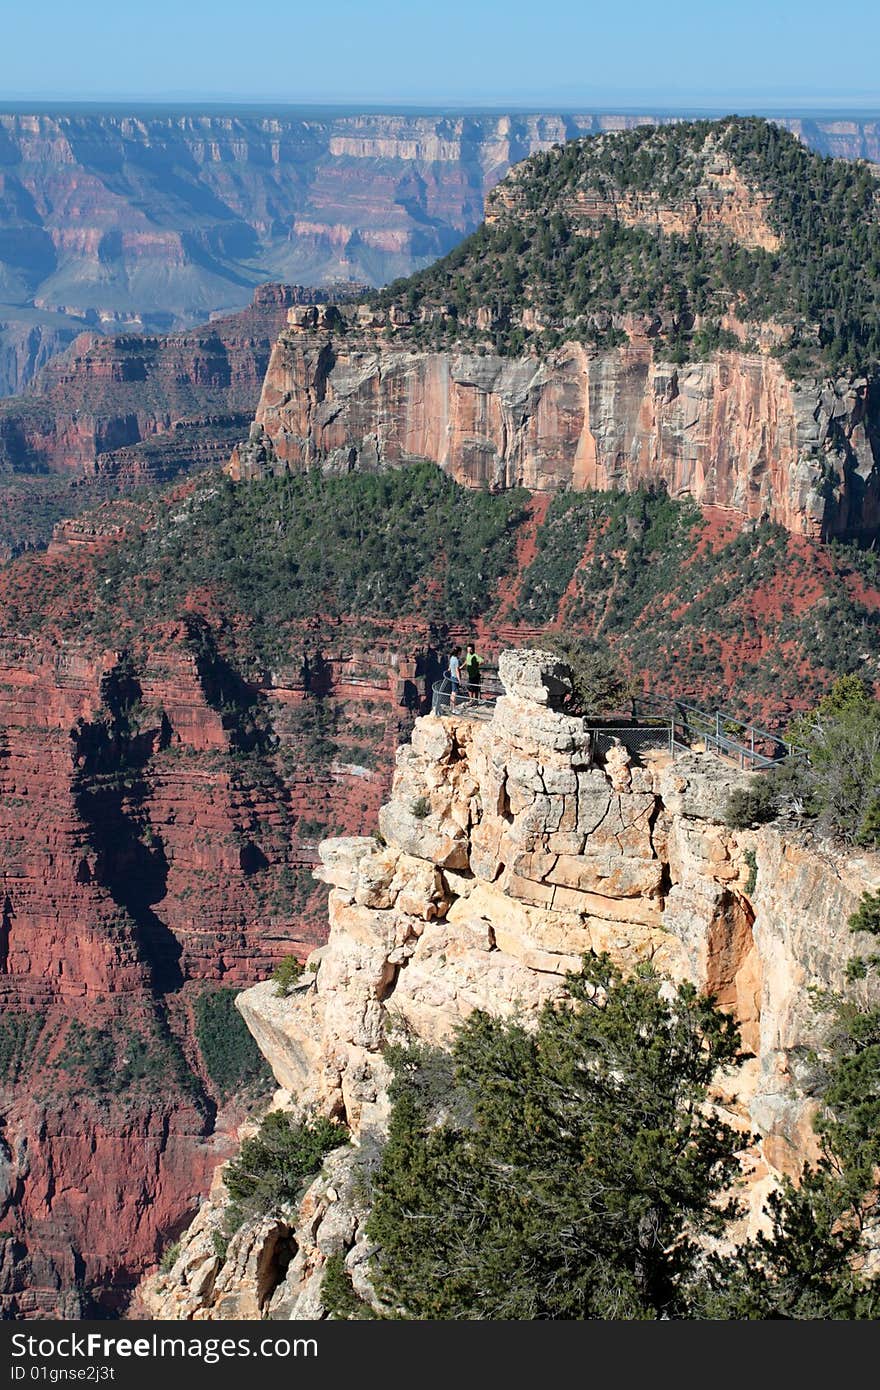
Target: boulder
536 676
340 858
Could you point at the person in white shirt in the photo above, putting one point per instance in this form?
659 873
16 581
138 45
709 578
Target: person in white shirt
454 675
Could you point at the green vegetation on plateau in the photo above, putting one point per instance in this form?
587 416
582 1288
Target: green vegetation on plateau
824 279
689 611
304 545
112 1059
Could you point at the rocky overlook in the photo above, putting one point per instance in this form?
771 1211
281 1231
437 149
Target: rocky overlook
200 683
626 315
236 197
505 852
170 760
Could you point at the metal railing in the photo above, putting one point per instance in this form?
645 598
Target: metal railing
724 733
674 725
471 701
636 738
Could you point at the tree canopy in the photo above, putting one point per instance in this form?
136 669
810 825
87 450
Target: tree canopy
818 270
836 777
578 1169
564 1171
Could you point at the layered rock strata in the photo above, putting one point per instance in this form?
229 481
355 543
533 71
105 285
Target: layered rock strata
91 406
504 854
365 196
142 866
342 391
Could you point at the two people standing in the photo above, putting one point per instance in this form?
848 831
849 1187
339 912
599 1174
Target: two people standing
473 669
467 669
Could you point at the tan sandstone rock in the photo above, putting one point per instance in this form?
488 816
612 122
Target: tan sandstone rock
528 855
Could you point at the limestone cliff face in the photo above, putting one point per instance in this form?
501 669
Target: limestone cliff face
529 855
722 202
732 432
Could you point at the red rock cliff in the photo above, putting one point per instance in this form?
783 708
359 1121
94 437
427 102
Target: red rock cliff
731 432
139 868
91 404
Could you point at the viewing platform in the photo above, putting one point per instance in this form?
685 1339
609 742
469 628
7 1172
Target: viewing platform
674 726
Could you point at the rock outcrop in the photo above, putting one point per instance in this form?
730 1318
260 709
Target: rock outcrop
506 852
732 432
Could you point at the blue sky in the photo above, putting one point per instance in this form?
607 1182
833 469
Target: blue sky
574 53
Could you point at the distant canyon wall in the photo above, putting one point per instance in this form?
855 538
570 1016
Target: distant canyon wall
731 432
235 198
92 406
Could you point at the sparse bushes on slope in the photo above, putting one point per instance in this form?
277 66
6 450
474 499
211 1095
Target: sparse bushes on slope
560 546
698 619
107 1060
839 779
299 546
834 777
273 1166
19 1038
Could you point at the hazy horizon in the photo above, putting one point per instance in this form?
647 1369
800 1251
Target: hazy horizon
38 104
466 55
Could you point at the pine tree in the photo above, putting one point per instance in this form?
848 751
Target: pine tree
564 1171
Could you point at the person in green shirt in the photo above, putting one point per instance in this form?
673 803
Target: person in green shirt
473 671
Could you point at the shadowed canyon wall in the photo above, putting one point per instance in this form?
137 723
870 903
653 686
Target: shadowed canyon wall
159 824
